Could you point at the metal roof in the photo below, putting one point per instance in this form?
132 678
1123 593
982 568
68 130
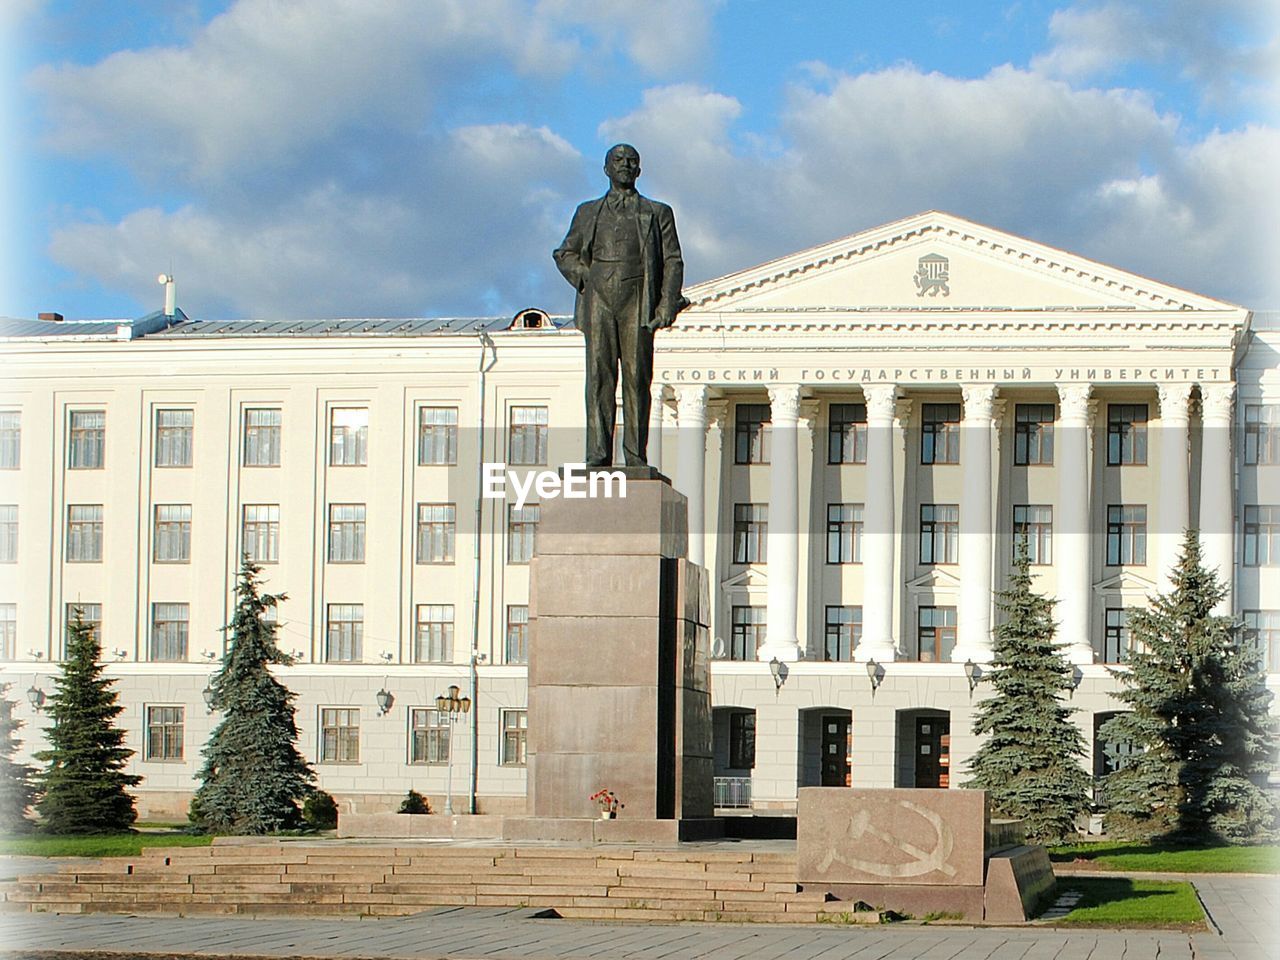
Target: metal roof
15 327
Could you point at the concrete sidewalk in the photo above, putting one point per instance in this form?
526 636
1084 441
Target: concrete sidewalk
1244 908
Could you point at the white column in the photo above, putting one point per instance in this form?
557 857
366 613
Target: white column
691 463
1217 523
1071 539
657 395
1173 512
973 628
878 640
784 526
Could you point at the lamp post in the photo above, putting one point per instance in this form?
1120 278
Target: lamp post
453 706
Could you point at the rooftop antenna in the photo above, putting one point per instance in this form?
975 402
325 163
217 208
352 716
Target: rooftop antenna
170 293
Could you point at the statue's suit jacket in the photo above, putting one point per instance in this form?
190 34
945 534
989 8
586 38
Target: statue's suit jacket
663 265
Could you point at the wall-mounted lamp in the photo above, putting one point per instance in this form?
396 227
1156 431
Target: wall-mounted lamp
36 654
207 693
875 673
36 697
387 656
209 654
1077 675
119 653
385 700
778 670
973 674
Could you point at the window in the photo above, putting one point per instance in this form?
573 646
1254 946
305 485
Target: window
847 433
750 532
169 631
172 540
349 437
84 533
1263 628
164 733
428 736
1033 434
940 433
751 433
1033 529
1262 536
87 440
935 634
437 435
748 632
344 633
843 634
527 438
174 429
339 735
433 639
437 529
939 532
261 539
9 533
346 533
262 437
1115 635
1261 434
8 631
1126 535
742 739
90 615
517 634
522 527
1126 434
515 728
844 533
10 439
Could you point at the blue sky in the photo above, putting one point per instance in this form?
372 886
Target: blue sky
324 158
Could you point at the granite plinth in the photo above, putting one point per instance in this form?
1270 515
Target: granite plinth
1019 881
619 682
434 826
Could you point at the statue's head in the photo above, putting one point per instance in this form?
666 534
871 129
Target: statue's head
622 165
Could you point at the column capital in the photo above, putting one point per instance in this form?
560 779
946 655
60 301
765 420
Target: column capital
1216 400
880 400
978 400
784 401
1174 400
691 404
809 411
658 392
1073 400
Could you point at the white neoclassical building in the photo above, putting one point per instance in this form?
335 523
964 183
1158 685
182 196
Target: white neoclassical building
863 431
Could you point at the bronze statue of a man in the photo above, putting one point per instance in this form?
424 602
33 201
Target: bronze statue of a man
622 255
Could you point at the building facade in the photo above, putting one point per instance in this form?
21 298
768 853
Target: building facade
863 430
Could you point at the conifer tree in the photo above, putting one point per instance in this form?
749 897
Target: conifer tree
1198 717
253 777
17 786
84 783
1030 762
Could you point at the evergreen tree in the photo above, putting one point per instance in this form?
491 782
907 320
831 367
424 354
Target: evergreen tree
1198 718
1030 762
253 776
17 786
85 783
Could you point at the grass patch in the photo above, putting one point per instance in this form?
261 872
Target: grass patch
1125 902
96 845
1150 857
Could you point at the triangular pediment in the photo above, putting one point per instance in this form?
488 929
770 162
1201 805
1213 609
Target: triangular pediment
937 263
748 579
935 579
1126 583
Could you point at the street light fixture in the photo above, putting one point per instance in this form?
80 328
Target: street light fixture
36 697
972 674
385 700
453 706
779 673
207 693
875 673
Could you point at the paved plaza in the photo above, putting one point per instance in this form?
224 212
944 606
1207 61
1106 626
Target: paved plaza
1244 911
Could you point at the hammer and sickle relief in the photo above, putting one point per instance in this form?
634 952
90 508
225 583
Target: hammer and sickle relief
922 861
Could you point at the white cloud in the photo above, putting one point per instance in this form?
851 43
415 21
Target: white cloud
659 35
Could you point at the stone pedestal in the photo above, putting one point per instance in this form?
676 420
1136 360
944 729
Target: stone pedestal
619 685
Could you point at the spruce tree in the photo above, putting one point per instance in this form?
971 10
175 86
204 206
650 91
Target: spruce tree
1198 716
253 777
84 783
17 786
1030 762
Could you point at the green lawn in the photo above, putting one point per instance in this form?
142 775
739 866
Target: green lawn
1156 858
95 845
1122 902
